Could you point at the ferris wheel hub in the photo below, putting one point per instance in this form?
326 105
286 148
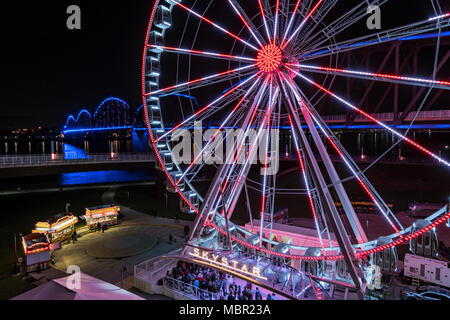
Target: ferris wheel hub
269 58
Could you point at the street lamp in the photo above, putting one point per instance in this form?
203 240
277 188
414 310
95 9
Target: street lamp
67 207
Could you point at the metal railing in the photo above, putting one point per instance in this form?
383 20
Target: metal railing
189 290
21 161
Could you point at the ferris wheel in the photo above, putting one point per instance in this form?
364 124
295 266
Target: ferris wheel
257 66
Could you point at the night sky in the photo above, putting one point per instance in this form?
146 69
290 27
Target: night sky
49 71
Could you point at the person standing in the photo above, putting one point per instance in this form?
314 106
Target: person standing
258 294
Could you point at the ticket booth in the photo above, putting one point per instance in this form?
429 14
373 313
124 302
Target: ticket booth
59 228
36 247
103 215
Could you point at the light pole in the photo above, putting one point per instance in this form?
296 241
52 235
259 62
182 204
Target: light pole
67 207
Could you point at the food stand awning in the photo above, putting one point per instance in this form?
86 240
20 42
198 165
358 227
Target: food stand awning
104 215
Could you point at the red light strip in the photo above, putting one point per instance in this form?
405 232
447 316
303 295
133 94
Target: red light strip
277 8
302 24
203 53
353 171
245 22
376 75
205 108
290 22
440 17
317 291
227 180
242 144
214 24
266 165
268 113
199 80
404 138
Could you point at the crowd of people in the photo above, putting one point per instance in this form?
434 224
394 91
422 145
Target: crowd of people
215 282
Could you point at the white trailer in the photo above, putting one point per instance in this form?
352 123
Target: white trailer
427 270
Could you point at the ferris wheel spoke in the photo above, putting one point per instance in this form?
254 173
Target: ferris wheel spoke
240 143
304 38
219 130
245 20
411 31
209 106
263 16
380 123
351 164
204 54
291 21
204 81
224 176
439 84
233 170
237 188
302 165
313 10
213 24
305 179
275 28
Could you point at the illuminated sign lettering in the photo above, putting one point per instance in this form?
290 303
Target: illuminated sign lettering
225 263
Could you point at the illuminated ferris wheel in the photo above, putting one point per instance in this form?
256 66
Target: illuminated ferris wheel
258 65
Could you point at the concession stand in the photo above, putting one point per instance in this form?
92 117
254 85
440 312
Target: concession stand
59 228
104 215
36 247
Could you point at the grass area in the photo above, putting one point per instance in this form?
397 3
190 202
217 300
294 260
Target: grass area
20 214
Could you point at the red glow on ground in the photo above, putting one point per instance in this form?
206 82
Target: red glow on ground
269 58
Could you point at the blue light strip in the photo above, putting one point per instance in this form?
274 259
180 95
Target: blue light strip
83 111
97 129
110 99
181 95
